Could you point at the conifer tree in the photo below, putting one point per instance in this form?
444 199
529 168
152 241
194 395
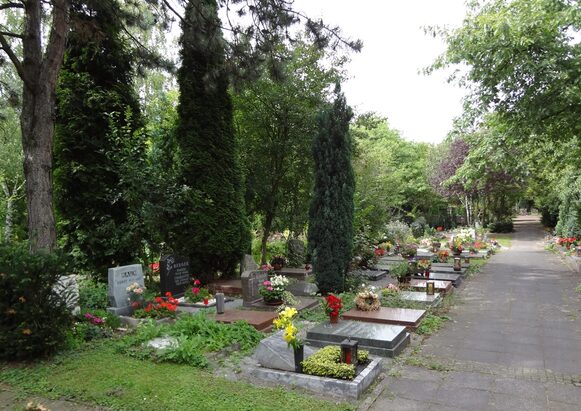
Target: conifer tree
213 232
331 214
97 149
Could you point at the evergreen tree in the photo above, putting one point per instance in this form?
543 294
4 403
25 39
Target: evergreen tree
97 150
213 232
331 214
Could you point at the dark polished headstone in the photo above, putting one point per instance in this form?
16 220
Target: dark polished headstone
174 275
371 275
380 339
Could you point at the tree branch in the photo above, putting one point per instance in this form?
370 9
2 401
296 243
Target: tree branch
11 6
56 45
8 50
178 15
9 34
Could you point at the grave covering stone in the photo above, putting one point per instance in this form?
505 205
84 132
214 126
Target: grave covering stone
441 286
119 279
273 352
421 298
251 281
303 289
161 343
371 275
446 269
388 315
380 339
456 279
174 275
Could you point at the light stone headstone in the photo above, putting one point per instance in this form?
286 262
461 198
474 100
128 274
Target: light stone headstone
251 281
273 352
68 288
119 279
248 263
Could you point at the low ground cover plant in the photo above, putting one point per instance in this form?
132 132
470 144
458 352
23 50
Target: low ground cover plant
327 363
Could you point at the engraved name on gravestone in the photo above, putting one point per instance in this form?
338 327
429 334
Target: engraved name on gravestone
251 280
119 279
174 275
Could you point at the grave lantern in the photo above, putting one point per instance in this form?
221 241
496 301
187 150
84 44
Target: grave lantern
457 264
430 287
349 351
220 303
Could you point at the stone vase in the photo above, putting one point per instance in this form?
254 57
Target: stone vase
333 319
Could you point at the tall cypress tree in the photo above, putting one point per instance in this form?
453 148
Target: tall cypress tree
96 147
214 232
331 214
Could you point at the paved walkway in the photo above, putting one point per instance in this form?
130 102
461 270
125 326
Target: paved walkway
514 342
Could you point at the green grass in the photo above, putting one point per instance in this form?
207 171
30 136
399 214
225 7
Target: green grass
431 323
99 375
504 239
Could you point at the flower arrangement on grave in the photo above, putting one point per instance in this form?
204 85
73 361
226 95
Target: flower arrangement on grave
379 251
409 251
285 321
93 319
391 290
386 245
154 267
332 306
566 242
278 261
440 228
197 293
367 299
268 269
273 289
136 295
424 264
443 256
159 308
425 242
480 245
456 246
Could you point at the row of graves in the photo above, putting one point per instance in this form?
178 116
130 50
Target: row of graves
568 248
341 356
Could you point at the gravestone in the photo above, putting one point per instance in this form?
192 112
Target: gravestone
444 287
456 279
119 279
174 275
68 288
273 352
380 339
248 263
408 317
421 298
251 280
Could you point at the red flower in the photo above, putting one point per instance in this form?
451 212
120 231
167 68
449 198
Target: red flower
439 228
196 290
197 282
158 300
134 304
154 267
168 294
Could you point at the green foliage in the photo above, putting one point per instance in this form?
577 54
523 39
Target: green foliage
501 227
327 363
213 230
93 294
330 233
35 319
98 152
400 271
196 335
431 323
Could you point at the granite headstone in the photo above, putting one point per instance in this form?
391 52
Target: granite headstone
174 275
119 279
251 281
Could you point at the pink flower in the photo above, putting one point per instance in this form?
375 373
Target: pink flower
195 290
270 288
266 283
197 282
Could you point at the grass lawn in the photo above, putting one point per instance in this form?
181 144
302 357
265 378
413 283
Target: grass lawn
99 375
504 239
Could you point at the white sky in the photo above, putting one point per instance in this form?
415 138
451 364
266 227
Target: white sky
385 76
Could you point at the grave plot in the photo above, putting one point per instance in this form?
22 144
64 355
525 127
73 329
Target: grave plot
407 317
447 269
380 339
443 287
371 275
456 279
421 298
261 320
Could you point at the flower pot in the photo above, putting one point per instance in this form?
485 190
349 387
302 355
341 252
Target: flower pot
299 354
205 301
277 267
333 318
273 301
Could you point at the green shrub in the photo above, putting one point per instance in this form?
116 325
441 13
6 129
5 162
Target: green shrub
93 294
399 271
501 227
326 363
35 319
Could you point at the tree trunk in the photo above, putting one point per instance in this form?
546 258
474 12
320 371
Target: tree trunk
8 221
267 227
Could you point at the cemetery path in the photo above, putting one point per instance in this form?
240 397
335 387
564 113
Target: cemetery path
514 342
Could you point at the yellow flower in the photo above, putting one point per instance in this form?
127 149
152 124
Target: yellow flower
27 331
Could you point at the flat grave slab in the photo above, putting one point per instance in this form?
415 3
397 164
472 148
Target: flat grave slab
380 339
261 320
387 315
304 303
447 269
425 254
298 273
456 279
371 275
444 287
228 287
422 298
391 258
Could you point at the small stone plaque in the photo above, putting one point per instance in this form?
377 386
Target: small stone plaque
381 339
174 275
119 279
387 315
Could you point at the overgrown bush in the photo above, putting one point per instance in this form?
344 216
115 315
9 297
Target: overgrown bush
501 227
35 319
326 363
419 226
397 232
93 294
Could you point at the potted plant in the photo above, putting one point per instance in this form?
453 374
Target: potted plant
436 244
277 262
136 294
273 290
332 305
197 294
424 266
456 246
443 256
409 251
